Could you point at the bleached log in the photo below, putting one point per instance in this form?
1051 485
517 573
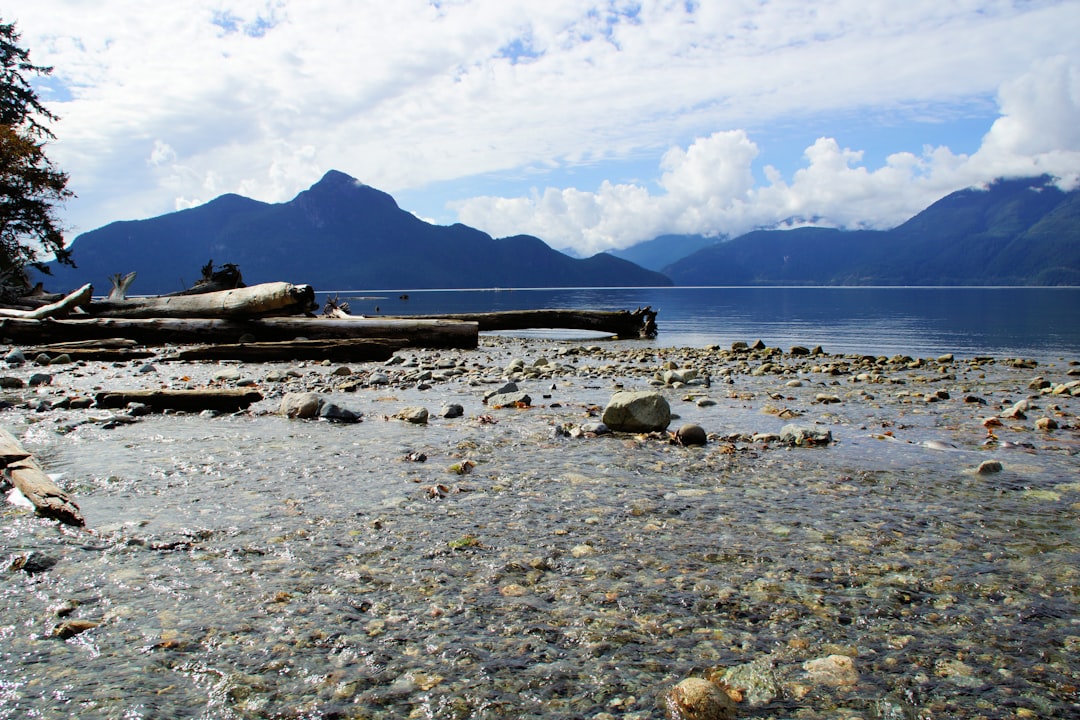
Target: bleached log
37 487
120 285
71 301
265 300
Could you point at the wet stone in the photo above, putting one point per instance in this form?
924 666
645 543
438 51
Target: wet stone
452 410
300 405
691 434
805 435
414 415
698 699
335 413
643 411
510 399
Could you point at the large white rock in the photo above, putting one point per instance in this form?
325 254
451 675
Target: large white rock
643 411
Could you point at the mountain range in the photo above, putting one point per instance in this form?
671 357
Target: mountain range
1012 232
337 235
343 235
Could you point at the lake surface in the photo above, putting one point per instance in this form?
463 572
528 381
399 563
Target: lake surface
1023 322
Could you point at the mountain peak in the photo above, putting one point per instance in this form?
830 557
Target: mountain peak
336 178
336 187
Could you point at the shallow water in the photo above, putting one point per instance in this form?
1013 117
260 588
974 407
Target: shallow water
251 566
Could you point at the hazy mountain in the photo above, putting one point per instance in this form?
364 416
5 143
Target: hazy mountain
337 235
658 253
1015 232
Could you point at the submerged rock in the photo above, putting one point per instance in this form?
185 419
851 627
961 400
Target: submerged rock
698 699
644 411
805 435
832 670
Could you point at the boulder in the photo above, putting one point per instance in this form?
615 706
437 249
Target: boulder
643 411
300 405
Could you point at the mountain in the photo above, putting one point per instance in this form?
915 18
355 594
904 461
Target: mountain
1014 232
337 235
658 253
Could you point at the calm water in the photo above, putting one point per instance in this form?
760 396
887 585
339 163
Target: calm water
1026 322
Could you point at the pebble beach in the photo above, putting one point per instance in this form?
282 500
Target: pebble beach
459 534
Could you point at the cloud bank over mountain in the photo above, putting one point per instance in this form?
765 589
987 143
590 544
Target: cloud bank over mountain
593 123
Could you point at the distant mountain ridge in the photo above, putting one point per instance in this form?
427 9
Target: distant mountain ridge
1014 232
337 235
661 251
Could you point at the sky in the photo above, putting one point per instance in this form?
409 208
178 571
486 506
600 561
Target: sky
592 125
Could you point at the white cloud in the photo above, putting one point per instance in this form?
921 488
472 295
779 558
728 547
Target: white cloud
709 189
263 96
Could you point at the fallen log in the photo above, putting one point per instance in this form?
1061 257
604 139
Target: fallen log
364 350
265 300
640 323
219 399
37 487
165 331
63 306
115 349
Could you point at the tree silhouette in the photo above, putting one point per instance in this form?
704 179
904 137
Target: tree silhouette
31 187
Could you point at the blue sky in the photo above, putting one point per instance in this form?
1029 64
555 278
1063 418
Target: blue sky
593 125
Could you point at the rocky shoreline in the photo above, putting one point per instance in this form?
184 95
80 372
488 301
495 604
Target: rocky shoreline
790 612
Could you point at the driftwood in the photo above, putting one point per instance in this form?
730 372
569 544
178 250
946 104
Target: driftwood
115 349
640 323
265 300
120 285
37 487
61 307
164 331
365 350
226 277
220 399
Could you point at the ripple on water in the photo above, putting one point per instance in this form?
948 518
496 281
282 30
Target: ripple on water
256 567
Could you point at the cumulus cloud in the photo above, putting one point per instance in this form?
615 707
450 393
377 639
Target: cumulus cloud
708 188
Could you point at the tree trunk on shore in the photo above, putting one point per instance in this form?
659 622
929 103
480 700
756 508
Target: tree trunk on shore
164 331
265 300
176 330
364 350
640 323
63 306
37 487
220 399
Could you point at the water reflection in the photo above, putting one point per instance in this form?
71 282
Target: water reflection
1025 322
